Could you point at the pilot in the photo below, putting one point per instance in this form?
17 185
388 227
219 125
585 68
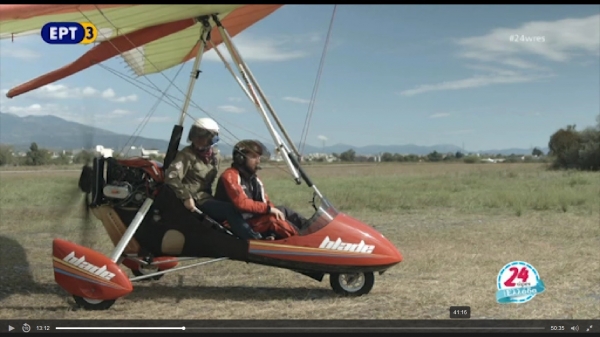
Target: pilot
192 173
240 185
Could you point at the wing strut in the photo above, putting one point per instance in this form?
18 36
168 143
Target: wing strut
178 129
173 144
260 92
251 83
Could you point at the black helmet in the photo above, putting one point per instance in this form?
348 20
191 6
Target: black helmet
243 147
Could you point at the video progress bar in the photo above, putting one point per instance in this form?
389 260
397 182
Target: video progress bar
119 328
299 328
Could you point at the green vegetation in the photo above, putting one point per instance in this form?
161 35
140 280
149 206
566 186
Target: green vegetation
448 221
478 188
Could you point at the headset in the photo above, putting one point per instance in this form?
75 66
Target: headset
239 157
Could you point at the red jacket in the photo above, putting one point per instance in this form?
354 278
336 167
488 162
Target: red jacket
247 193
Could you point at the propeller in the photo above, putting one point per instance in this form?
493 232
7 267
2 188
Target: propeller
86 179
78 198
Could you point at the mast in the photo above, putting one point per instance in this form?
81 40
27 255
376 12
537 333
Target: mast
260 92
243 71
268 104
289 158
178 128
173 143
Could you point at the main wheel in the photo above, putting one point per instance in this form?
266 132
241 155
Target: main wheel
92 304
146 271
356 284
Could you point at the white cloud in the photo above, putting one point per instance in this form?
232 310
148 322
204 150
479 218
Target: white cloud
297 100
19 53
231 108
234 99
471 82
262 49
440 115
89 91
110 95
557 41
105 118
321 137
128 98
33 109
62 91
37 109
3 97
121 112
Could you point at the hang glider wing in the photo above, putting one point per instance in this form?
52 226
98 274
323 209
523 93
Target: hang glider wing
150 38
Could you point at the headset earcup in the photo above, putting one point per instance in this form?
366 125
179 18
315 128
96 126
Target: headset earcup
239 159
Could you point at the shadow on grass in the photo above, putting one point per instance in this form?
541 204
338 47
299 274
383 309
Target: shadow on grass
16 278
158 292
15 272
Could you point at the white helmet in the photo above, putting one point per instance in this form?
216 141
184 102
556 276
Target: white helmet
204 127
207 124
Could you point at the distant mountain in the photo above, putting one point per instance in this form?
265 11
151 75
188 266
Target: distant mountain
374 149
55 133
508 152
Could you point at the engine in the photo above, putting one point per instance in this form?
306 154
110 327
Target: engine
127 183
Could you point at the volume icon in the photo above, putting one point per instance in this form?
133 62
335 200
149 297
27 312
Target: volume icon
575 328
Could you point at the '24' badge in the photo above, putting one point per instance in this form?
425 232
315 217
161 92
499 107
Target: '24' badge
518 282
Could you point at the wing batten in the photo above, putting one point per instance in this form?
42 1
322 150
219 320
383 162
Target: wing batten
101 53
146 47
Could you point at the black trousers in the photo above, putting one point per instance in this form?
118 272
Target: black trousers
292 217
221 211
201 239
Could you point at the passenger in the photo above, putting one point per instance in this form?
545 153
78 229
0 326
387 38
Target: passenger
193 172
240 185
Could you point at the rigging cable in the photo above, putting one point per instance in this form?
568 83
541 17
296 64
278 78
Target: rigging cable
163 93
146 59
138 84
311 106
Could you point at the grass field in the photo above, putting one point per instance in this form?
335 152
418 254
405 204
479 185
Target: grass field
457 225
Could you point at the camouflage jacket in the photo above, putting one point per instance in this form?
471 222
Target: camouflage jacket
189 176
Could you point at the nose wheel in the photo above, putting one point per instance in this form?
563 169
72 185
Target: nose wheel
92 304
354 284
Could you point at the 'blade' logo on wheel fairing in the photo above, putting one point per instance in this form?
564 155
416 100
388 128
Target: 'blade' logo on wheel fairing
347 247
81 263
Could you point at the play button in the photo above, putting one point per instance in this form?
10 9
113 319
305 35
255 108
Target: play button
10 328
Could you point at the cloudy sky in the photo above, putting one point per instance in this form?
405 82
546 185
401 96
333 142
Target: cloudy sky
392 75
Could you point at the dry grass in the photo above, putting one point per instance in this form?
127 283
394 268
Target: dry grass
456 225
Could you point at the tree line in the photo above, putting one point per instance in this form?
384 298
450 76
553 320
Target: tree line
568 149
573 149
434 156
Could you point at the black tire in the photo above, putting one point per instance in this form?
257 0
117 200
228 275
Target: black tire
366 282
153 278
93 305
